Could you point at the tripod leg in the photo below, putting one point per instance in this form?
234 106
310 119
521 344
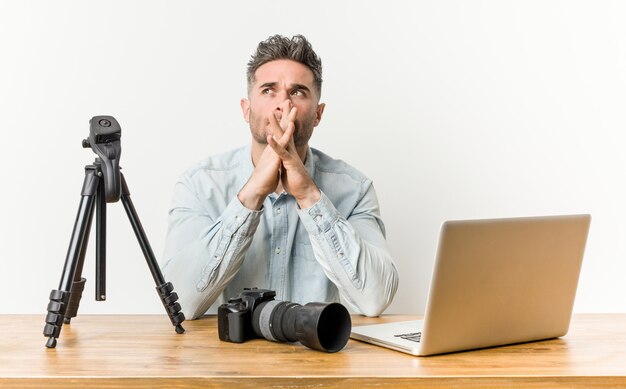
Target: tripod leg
101 223
165 289
78 285
60 298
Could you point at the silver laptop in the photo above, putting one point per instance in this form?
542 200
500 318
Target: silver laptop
495 282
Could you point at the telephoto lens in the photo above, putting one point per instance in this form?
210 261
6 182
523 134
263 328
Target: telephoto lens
320 326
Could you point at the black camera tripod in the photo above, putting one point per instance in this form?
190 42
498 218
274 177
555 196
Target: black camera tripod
103 183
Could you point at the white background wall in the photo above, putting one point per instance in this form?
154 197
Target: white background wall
456 109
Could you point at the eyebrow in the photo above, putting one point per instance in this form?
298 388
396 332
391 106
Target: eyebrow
292 86
300 86
267 85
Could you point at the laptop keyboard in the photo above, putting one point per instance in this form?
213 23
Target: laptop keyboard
412 336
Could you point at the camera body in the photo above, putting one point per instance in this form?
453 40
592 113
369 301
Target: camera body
234 319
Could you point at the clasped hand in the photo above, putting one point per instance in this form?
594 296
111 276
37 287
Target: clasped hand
280 166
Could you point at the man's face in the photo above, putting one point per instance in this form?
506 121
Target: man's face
275 82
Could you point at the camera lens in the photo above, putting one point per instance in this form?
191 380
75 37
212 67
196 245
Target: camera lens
320 326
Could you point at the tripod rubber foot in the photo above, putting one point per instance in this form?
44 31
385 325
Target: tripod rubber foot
52 342
179 329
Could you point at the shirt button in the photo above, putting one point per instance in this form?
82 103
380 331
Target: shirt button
278 211
277 250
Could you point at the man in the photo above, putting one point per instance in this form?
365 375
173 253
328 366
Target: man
278 214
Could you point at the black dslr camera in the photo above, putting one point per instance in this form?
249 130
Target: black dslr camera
254 313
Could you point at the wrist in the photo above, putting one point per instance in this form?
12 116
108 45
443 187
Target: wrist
250 198
309 198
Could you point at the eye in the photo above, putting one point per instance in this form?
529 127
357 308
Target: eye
298 93
266 91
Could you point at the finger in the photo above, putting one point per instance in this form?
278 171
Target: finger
274 128
287 137
291 126
292 114
278 148
285 111
289 123
283 138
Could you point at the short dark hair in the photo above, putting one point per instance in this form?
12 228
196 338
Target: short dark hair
296 49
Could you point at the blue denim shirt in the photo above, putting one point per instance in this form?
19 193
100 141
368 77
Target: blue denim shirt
332 251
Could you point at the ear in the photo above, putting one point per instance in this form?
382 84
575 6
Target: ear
245 109
318 114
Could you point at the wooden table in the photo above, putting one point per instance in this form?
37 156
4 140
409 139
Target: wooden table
144 351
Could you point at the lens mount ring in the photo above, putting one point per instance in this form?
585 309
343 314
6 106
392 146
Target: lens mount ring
265 317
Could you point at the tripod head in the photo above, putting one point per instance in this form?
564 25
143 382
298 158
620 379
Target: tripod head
104 139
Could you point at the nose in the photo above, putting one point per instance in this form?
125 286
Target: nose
283 103
278 113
